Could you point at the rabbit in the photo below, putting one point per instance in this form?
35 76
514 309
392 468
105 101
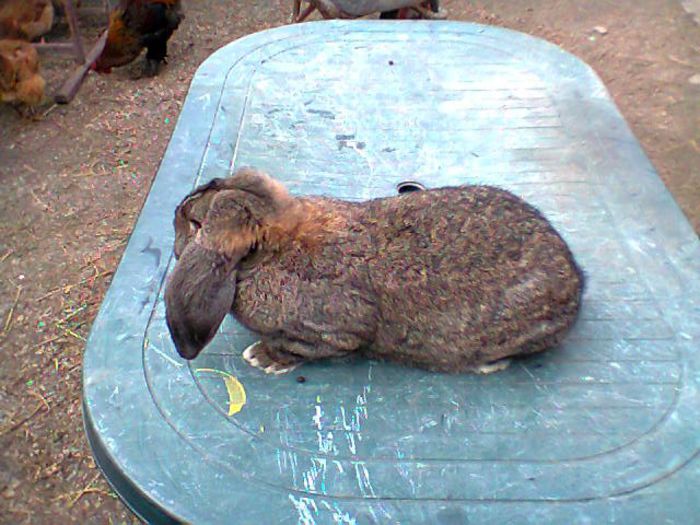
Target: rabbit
454 279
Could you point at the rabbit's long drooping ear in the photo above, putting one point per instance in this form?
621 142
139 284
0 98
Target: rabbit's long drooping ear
202 288
198 296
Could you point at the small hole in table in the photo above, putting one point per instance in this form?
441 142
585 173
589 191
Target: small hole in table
409 186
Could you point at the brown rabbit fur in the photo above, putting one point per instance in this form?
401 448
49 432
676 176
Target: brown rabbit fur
449 279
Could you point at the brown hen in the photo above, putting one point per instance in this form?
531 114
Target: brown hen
20 81
25 19
139 24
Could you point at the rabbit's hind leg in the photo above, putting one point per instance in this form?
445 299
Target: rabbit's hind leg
490 368
271 360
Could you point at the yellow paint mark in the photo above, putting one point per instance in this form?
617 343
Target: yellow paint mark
236 392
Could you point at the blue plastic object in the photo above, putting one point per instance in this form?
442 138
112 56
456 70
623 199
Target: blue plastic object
603 429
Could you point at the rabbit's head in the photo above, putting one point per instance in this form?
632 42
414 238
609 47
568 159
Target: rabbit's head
217 226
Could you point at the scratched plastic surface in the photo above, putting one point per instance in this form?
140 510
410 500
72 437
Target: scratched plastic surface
604 428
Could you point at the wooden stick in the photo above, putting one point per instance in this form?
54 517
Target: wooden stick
8 322
307 12
47 341
66 48
75 32
2 259
93 11
71 86
71 286
86 490
15 426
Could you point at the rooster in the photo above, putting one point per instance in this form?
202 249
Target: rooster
20 81
139 24
25 19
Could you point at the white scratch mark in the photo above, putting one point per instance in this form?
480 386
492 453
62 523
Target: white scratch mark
363 481
343 517
344 422
306 508
351 442
114 394
318 416
325 443
165 356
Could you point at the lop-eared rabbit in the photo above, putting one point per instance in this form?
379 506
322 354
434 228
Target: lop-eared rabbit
456 279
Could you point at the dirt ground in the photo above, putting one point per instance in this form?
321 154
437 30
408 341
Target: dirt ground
73 185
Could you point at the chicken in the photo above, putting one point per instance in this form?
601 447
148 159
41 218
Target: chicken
25 19
138 24
20 81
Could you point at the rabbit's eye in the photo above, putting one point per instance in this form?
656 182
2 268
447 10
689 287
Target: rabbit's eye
195 226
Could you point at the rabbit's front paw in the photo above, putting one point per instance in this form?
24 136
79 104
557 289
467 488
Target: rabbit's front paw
490 368
261 356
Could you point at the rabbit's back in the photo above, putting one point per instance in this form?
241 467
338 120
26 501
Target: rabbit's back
466 276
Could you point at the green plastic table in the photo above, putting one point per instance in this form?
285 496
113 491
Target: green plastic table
604 429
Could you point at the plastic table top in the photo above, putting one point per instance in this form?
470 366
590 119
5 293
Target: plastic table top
604 428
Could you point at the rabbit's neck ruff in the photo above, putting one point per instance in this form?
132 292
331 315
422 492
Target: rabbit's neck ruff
300 221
